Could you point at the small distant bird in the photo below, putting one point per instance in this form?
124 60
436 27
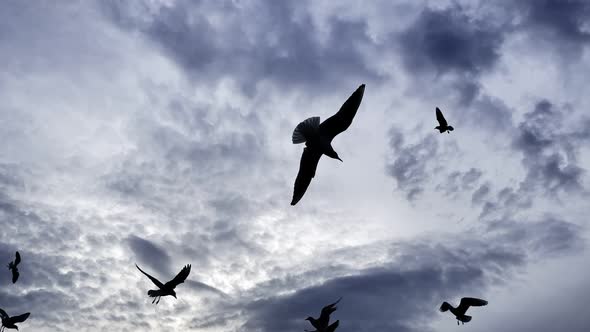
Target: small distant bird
318 140
167 288
330 328
443 126
8 322
459 311
321 324
12 266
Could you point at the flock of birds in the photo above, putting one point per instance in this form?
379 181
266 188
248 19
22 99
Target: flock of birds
318 141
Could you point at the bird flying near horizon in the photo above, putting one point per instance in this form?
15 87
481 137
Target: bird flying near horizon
9 322
321 323
459 311
442 123
167 288
12 266
318 140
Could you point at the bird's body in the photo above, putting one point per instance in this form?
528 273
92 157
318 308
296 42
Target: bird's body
167 288
318 140
442 123
331 328
12 266
460 310
321 323
10 322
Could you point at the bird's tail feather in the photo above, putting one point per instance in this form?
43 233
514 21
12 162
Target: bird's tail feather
305 129
445 307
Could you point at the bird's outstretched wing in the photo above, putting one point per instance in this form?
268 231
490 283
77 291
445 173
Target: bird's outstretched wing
3 314
180 277
17 259
154 280
340 121
467 302
333 326
19 318
15 275
328 310
307 168
440 118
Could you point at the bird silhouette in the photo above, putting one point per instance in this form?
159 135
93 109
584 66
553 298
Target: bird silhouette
321 323
459 311
12 266
442 123
8 322
331 328
167 288
318 140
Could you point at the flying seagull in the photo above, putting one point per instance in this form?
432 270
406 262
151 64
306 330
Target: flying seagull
330 328
12 267
443 125
8 322
321 323
459 311
318 140
167 288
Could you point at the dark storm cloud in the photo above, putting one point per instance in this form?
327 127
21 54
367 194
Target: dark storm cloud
449 40
404 294
562 22
150 254
550 152
282 44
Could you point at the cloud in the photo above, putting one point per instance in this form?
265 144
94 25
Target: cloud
557 22
409 168
149 254
449 40
549 153
284 44
404 293
415 165
459 181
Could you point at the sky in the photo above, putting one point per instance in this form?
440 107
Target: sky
158 132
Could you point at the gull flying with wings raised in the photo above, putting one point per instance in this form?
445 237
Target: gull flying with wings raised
318 140
442 123
9 322
459 311
167 288
321 323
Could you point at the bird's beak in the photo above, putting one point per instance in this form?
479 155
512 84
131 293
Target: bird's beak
175 297
340 159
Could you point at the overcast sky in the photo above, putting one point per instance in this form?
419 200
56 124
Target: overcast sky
158 132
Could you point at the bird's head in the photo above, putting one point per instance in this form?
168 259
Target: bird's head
309 318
